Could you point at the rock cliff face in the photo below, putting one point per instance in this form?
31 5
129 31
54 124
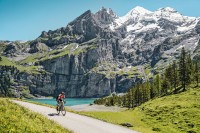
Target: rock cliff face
98 54
72 74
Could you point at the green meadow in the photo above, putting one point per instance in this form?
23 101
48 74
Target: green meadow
179 113
17 119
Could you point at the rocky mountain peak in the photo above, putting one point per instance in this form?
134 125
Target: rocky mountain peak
108 11
105 16
86 15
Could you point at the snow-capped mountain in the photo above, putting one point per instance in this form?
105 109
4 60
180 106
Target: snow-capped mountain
143 36
99 53
139 18
145 30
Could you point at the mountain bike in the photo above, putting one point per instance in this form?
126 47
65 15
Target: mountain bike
61 108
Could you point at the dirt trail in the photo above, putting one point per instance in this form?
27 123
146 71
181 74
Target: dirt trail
76 123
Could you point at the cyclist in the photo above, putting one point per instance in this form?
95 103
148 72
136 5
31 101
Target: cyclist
60 98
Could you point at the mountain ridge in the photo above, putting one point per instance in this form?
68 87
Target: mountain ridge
100 53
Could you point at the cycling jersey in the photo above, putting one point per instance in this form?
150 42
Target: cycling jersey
60 97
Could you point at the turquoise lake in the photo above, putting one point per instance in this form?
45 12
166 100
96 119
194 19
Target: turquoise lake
69 101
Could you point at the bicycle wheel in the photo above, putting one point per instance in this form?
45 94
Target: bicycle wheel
63 111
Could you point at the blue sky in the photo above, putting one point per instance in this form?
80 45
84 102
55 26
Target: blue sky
26 19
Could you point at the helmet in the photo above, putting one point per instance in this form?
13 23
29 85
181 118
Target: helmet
62 92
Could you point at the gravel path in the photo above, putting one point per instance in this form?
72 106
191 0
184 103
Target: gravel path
76 123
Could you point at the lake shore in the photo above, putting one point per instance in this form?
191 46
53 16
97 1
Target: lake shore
94 107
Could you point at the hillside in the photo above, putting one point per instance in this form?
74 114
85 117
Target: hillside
100 53
177 113
17 119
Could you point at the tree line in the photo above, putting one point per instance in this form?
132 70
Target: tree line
6 77
175 78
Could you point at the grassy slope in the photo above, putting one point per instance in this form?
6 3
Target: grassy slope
178 113
28 69
6 62
31 58
14 118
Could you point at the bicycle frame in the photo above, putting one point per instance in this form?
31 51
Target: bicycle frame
61 108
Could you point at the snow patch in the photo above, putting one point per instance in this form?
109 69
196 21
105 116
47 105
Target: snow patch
76 46
195 45
138 26
179 47
167 9
185 27
65 47
129 67
148 27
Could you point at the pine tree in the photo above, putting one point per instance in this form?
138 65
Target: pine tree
165 86
152 91
129 99
146 91
112 101
137 95
133 95
119 101
196 73
169 75
142 91
189 69
157 84
175 75
124 101
5 83
183 69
